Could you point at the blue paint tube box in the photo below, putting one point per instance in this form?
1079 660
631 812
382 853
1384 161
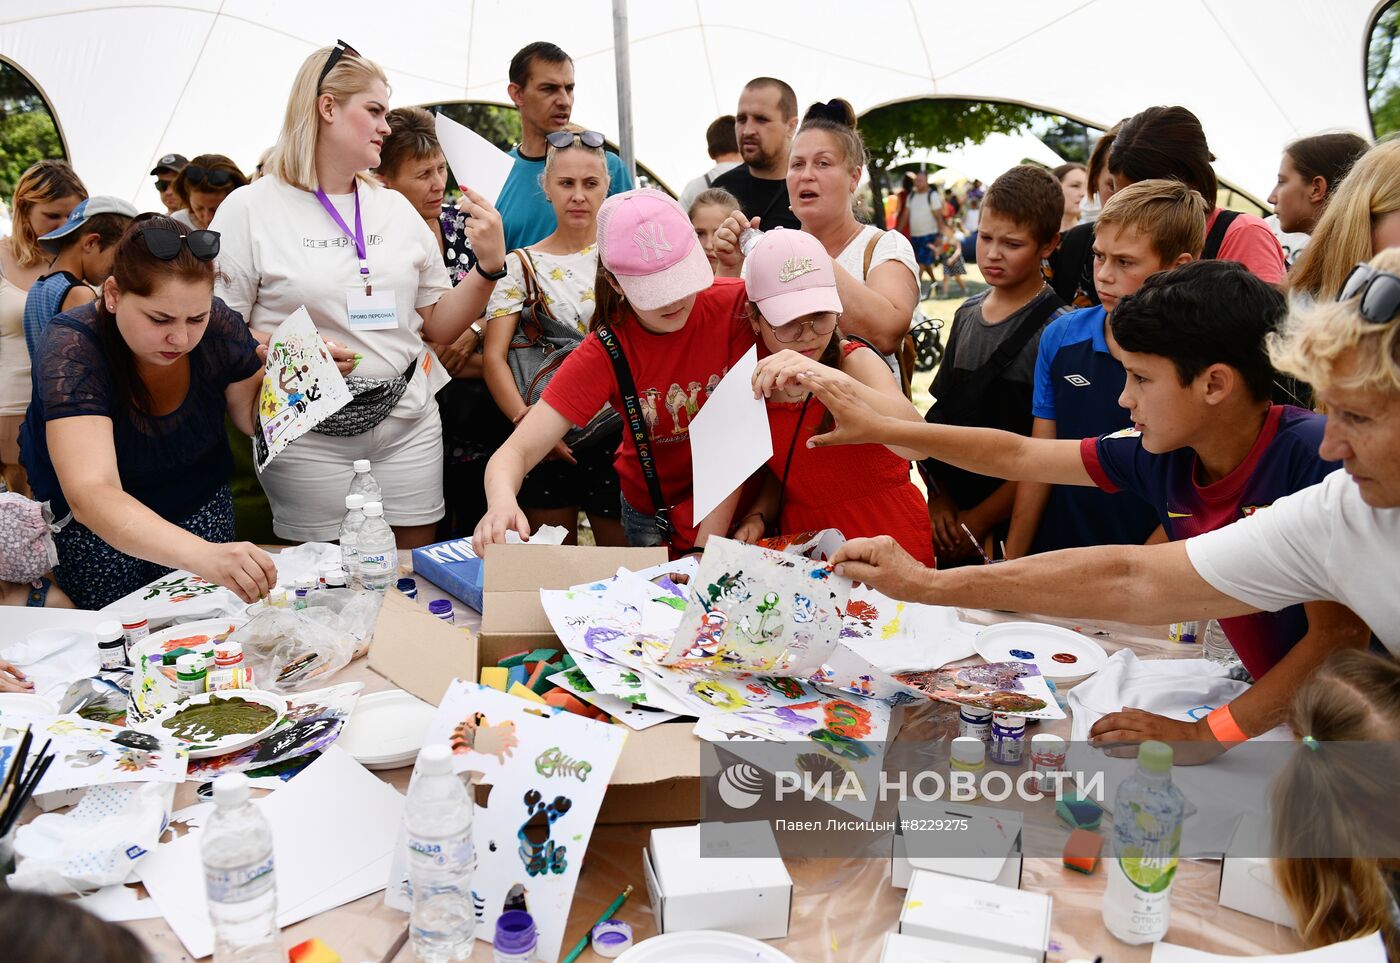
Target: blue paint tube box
453 567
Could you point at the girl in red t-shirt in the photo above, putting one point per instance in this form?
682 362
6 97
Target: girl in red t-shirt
863 490
677 330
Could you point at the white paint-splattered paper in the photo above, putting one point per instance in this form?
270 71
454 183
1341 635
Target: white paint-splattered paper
301 387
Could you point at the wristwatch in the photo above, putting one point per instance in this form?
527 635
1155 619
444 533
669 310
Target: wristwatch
478 330
490 275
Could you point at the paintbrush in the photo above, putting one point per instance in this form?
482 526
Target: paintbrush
975 544
21 797
12 778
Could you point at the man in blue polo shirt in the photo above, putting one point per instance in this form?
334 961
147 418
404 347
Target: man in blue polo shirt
1150 226
542 88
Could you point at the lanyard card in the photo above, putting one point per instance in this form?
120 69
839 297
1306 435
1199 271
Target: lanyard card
371 312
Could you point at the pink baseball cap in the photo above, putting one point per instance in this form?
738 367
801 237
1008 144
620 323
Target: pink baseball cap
789 275
646 240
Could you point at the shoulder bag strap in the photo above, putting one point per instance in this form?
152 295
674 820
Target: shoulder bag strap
1216 237
869 255
970 392
787 464
636 425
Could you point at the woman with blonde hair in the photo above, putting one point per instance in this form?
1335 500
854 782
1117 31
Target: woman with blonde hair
1329 803
1362 218
318 230
202 186
44 197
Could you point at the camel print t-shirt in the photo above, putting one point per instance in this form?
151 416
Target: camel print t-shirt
674 374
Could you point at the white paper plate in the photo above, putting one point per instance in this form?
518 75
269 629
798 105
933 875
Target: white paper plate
230 743
1062 655
703 946
155 642
386 729
27 703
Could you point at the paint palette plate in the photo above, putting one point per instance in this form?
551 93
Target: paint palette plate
386 729
1062 655
229 743
703 946
26 703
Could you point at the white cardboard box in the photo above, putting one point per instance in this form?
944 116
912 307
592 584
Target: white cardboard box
902 948
994 834
749 893
1247 882
980 915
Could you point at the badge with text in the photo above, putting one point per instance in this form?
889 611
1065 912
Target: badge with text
371 312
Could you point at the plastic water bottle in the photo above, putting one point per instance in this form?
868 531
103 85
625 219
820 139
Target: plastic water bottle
363 483
1147 815
1215 646
379 556
349 537
441 859
238 877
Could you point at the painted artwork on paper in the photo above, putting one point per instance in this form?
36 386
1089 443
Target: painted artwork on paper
301 387
313 721
89 753
754 609
548 771
1016 688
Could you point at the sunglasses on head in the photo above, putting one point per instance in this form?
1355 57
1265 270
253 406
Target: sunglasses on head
214 177
565 138
341 49
1379 292
164 243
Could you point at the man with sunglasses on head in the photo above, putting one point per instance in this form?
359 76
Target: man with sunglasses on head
542 89
165 172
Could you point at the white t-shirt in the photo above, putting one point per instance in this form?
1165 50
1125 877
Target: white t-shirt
565 283
184 217
279 250
1320 544
893 246
704 182
922 222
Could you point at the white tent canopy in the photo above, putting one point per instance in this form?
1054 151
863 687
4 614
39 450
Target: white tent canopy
130 81
998 152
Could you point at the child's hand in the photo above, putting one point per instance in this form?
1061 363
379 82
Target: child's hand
750 530
12 679
782 370
727 242
948 539
492 528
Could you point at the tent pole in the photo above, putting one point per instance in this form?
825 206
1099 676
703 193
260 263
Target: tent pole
623 68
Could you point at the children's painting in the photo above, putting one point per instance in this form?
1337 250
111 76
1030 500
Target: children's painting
179 596
313 721
634 715
754 609
548 771
1016 688
301 387
88 753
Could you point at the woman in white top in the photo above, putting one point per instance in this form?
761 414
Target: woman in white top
317 230
564 267
875 270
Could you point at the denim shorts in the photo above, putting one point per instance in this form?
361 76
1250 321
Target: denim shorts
639 527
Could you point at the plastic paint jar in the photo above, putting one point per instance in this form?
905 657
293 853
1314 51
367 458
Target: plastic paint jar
191 674
975 722
230 671
515 940
304 588
111 645
335 578
967 754
442 608
1008 738
611 938
1047 761
277 598
408 587
135 627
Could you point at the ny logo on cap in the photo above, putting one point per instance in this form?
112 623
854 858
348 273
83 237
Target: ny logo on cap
651 240
794 267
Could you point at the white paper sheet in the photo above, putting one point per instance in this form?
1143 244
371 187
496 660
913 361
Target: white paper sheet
55 659
475 161
1367 949
729 438
333 830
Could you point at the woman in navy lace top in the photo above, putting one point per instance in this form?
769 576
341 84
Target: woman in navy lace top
125 435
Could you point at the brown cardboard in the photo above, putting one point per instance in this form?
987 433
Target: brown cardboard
657 778
419 652
512 618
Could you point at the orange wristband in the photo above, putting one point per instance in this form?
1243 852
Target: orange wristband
1224 727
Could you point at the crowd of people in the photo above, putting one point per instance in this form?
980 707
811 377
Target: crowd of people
1146 399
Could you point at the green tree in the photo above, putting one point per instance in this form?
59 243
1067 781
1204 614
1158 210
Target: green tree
1383 72
27 131
499 125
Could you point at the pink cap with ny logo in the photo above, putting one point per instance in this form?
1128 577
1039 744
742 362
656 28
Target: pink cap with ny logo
646 240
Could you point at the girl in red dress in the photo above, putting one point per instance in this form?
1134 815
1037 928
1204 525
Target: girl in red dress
863 490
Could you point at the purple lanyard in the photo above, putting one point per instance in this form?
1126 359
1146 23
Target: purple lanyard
358 237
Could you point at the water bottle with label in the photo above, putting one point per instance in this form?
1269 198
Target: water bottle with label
441 859
363 483
349 538
1147 815
379 555
1215 646
238 876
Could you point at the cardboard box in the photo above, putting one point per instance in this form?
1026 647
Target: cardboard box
418 652
1247 882
902 948
994 833
512 618
745 894
980 915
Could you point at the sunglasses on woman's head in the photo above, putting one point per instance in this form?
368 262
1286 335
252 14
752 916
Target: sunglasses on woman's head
1379 292
164 243
341 49
565 138
214 177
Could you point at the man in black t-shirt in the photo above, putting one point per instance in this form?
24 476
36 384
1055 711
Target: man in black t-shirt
764 124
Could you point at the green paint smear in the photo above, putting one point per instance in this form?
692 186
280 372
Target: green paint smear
217 718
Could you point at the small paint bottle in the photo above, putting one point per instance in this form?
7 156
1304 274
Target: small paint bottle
975 722
304 589
335 578
1047 761
191 674
408 587
516 940
1187 633
135 627
323 572
442 608
1008 738
111 645
277 598
230 671
968 754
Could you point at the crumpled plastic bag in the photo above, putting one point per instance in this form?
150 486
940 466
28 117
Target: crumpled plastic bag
96 844
290 650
